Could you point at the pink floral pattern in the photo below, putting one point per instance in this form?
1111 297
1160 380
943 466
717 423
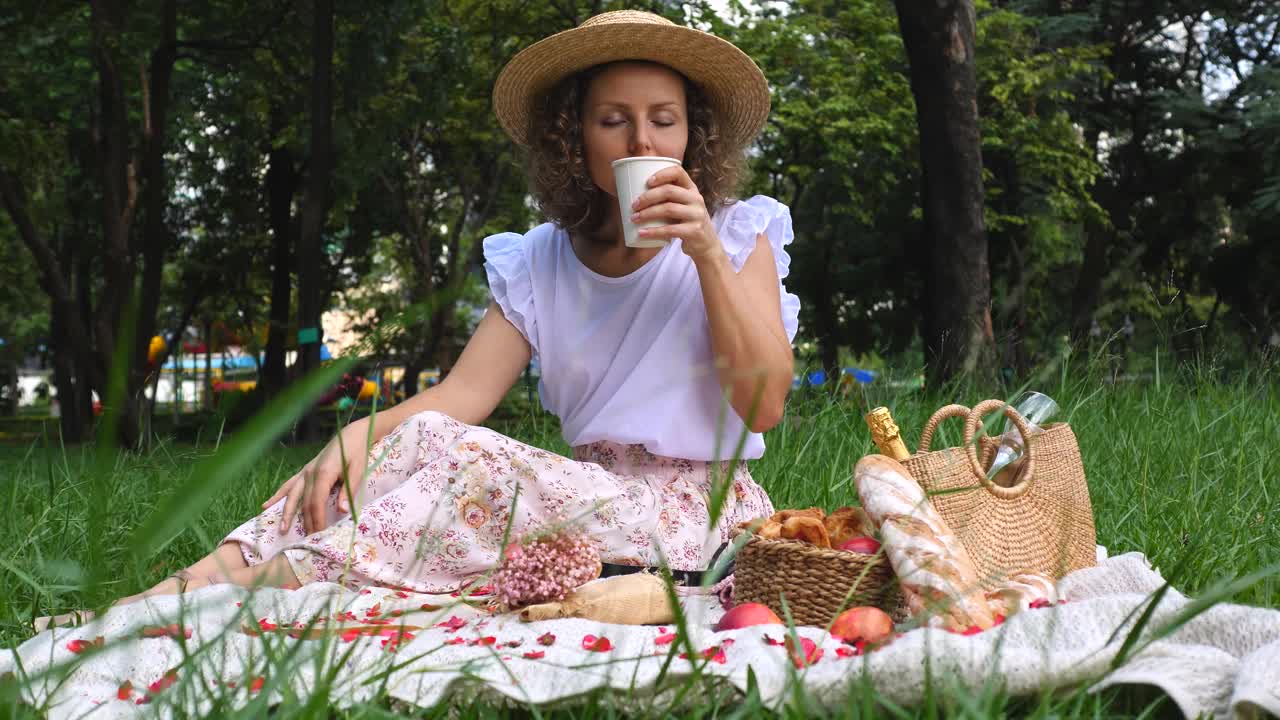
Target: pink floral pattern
437 499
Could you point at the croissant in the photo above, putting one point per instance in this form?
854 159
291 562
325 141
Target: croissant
846 523
806 529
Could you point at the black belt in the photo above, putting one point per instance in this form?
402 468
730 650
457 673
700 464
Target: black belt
686 578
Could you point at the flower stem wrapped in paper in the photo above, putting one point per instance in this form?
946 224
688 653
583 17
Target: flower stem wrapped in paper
636 599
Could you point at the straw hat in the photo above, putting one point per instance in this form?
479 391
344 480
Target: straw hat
735 87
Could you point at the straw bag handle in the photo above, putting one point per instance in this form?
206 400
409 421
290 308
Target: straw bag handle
972 419
945 412
971 429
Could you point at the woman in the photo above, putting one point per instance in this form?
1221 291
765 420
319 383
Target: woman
638 347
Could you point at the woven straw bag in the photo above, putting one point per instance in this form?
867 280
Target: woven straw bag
818 583
1042 523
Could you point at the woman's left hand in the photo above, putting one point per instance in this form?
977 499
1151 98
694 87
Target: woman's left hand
673 197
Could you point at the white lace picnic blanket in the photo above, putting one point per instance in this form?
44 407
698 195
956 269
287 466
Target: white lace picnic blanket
1224 663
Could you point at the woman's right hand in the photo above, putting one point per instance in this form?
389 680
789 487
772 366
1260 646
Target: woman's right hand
309 489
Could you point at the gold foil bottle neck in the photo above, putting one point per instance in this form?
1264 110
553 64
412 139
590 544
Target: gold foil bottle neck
885 434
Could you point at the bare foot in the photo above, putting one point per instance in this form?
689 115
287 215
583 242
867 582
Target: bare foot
75 617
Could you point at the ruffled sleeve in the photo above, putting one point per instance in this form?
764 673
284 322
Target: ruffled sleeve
507 265
745 220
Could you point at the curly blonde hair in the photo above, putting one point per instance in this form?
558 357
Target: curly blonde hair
562 186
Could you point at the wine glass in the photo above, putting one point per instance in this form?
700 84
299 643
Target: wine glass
1036 408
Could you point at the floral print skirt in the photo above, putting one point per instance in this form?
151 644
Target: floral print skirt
439 495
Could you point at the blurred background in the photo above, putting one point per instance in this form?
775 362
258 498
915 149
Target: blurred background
210 199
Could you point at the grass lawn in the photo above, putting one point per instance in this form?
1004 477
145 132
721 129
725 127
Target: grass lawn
1180 467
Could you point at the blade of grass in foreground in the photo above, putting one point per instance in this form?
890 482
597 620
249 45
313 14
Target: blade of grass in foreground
244 449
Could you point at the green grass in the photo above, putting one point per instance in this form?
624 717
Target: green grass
1184 468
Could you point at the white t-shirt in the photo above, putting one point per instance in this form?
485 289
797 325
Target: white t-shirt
628 359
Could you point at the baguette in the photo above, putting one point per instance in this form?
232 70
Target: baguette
934 569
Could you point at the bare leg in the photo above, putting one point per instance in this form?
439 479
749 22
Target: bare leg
222 562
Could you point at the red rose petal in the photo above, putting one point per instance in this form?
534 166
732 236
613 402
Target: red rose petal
453 624
810 654
770 641
454 641
845 651
256 685
596 644
126 691
169 678
485 641
664 639
1039 603
402 594
534 655
266 626
546 639
79 646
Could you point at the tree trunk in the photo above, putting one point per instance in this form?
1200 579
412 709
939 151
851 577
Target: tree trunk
118 178
939 40
825 320
73 351
72 419
316 198
281 185
156 237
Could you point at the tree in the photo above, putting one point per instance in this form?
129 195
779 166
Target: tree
940 45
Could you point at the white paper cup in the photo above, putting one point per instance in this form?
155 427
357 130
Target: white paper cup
629 177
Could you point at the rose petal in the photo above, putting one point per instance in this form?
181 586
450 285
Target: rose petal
810 654
535 655
596 644
453 624
664 639
256 685
454 641
125 692
265 626
546 639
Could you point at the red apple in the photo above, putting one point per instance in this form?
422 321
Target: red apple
748 614
861 544
868 624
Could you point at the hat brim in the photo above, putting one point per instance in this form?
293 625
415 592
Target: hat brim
733 84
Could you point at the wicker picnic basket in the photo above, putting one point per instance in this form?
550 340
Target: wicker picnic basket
817 583
1042 523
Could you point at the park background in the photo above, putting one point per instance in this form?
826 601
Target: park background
232 177
1087 205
